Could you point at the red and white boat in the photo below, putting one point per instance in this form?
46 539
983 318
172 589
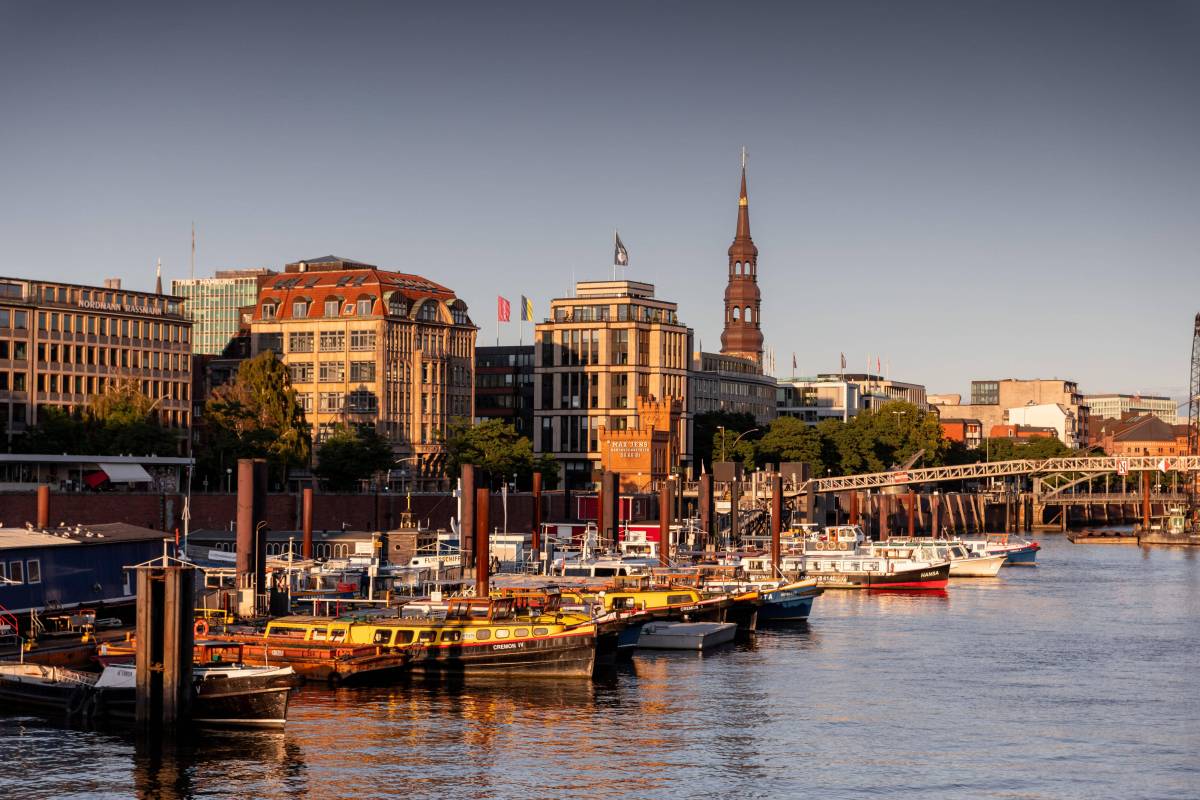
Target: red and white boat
841 557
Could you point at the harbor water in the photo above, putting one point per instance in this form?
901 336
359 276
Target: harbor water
1074 679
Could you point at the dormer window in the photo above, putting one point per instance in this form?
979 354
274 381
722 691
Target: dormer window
429 312
300 309
365 304
396 305
333 306
268 310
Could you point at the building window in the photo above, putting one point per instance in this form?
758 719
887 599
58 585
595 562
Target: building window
300 342
266 341
363 402
365 304
396 306
362 340
333 341
16 572
333 371
268 310
33 571
301 372
300 309
306 402
332 306
331 402
362 371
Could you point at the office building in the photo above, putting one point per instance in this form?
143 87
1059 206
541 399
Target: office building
368 346
842 396
504 386
602 349
1116 406
213 305
62 343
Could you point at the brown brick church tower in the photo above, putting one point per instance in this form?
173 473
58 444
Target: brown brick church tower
743 332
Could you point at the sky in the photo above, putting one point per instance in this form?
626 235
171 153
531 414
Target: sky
962 190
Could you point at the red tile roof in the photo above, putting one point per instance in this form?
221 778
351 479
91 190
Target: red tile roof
348 285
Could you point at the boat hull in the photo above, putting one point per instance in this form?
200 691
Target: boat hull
570 655
788 605
1023 557
982 567
326 663
935 577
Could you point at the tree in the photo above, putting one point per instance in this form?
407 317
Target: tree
495 448
121 419
789 439
705 429
257 415
57 431
351 455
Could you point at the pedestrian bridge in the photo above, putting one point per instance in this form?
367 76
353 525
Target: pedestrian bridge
1043 468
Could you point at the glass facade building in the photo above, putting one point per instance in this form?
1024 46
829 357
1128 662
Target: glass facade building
212 304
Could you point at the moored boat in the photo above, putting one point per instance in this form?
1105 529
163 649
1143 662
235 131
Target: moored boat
841 558
1017 551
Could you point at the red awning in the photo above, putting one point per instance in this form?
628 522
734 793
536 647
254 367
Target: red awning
94 479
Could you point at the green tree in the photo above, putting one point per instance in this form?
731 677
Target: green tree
496 449
734 446
705 428
789 439
257 415
351 455
57 431
121 419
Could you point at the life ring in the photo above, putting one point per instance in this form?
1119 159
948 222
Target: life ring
843 545
201 627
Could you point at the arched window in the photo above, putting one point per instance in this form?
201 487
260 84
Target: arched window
737 268
749 316
429 312
333 307
300 308
736 313
365 304
268 309
397 306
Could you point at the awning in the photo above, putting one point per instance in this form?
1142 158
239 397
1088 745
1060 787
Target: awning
125 473
94 478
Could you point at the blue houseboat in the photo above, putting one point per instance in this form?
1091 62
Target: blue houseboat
72 567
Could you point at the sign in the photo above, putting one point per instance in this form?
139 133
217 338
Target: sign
1122 466
127 308
900 477
363 548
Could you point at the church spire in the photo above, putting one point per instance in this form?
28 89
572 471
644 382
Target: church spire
743 334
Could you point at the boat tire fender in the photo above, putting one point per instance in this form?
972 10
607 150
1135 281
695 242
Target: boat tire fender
201 627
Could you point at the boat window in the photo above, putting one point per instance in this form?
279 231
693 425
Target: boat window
337 635
15 572
318 634
285 630
483 636
541 631
675 599
427 636
33 571
452 636
502 633
403 637
381 637
605 572
519 632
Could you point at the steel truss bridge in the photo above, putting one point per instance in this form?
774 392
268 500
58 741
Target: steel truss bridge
1038 468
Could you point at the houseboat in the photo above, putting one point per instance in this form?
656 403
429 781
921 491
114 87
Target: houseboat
840 557
964 563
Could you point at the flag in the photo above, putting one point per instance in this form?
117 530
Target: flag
620 254
793 360
878 365
1162 465
526 309
503 309
843 360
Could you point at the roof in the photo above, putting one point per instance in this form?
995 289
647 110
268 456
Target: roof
94 460
108 533
1146 428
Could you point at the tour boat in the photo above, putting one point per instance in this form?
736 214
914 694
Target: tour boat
461 635
1016 550
841 558
782 599
964 563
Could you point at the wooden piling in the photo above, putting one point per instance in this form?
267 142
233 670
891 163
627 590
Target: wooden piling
537 513
482 542
705 501
1145 500
466 525
43 506
664 524
776 520
912 516
165 641
306 545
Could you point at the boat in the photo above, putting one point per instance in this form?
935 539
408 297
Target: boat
840 557
459 635
685 635
781 599
964 563
1017 551
225 693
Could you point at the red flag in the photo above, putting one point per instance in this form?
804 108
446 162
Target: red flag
878 365
503 309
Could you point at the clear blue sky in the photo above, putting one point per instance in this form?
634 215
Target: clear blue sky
967 189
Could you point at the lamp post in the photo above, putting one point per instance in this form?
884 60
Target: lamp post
228 480
721 428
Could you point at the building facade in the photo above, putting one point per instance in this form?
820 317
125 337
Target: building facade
991 399
1116 406
837 396
732 383
966 431
367 346
213 305
504 386
602 349
61 343
1053 416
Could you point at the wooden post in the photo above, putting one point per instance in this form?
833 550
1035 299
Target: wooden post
163 671
912 516
1146 500
43 506
261 585
705 512
466 525
601 507
537 514
307 514
664 524
853 507
935 508
776 520
482 542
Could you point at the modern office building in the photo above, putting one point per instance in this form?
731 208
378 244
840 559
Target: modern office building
368 346
992 399
504 385
602 349
734 384
213 305
61 343
838 396
1116 406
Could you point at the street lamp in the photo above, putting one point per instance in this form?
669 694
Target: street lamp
228 480
721 428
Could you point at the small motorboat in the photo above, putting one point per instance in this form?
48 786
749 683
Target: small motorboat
685 635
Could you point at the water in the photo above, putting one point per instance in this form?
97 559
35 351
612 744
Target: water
1075 679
